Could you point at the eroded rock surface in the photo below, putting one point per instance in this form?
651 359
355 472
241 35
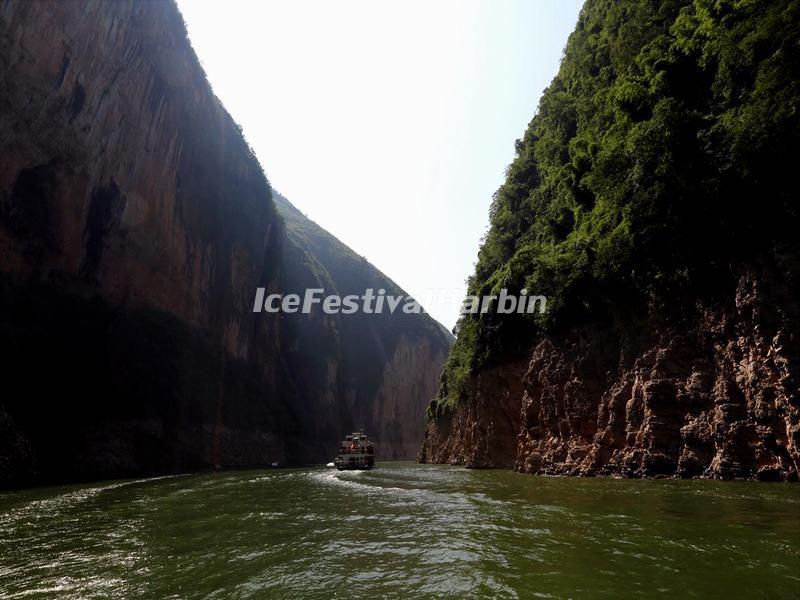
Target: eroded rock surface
712 394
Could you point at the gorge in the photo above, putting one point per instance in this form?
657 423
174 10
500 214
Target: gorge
616 412
651 202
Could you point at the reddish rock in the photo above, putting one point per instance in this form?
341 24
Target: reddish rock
710 393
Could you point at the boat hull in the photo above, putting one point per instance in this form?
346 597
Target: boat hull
351 468
354 463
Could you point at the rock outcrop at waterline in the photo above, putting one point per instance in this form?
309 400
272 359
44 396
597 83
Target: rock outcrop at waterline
135 227
652 201
712 394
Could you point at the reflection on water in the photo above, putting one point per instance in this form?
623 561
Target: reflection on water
402 530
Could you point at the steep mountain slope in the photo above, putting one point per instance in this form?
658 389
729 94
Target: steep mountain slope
135 227
366 366
653 201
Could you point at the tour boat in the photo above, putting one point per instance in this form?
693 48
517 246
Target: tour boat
356 453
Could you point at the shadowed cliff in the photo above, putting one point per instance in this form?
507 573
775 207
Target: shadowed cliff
135 227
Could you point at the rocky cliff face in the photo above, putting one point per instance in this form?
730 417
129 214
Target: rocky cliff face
397 420
135 227
712 393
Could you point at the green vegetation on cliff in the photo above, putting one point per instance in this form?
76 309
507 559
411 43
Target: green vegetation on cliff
661 155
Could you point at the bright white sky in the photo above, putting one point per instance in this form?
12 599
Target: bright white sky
390 123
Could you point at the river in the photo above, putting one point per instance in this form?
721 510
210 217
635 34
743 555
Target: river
400 531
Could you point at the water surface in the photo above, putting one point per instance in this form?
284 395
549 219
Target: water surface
400 531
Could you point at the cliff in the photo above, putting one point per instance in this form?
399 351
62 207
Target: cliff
652 202
135 227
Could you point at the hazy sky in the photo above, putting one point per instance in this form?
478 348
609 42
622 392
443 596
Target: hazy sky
389 123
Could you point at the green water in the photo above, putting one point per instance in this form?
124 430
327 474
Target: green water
400 531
